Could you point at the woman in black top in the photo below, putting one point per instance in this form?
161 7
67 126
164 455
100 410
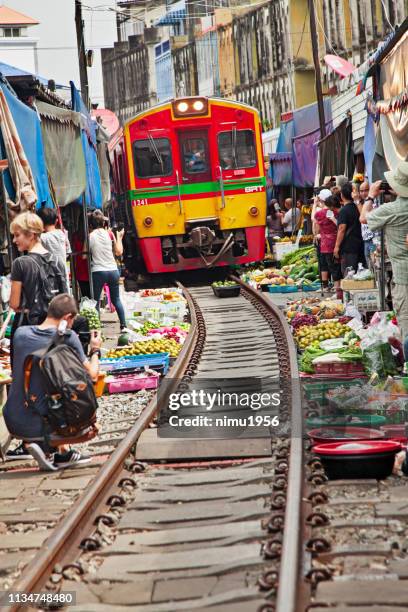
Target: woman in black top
30 287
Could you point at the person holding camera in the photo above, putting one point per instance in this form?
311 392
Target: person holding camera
349 247
104 247
392 217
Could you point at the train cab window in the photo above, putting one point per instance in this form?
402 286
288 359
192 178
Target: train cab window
236 149
195 159
152 157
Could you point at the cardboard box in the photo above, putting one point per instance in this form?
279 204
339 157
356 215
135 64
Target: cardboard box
351 285
367 301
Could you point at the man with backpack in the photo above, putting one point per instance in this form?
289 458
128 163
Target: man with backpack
51 400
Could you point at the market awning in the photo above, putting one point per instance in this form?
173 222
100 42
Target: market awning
281 169
171 17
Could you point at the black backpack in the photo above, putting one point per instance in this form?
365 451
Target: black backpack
50 283
72 402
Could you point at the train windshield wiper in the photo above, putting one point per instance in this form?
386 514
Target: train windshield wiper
156 151
234 146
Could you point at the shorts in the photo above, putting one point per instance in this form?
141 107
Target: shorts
322 260
333 266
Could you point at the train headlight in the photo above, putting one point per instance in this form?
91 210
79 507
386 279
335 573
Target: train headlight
182 107
147 221
254 211
198 105
190 107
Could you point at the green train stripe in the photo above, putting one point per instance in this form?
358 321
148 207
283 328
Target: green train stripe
196 188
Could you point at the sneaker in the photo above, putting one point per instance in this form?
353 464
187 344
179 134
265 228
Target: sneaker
20 452
41 458
69 459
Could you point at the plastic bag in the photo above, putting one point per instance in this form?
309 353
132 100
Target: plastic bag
380 359
5 289
349 273
87 309
362 273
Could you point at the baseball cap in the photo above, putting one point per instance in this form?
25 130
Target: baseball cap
324 194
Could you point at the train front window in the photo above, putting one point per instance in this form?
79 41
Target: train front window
236 149
194 156
152 157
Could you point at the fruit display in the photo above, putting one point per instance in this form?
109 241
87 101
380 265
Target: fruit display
147 347
307 239
162 294
92 316
322 309
309 334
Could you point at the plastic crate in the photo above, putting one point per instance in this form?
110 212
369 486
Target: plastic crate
282 288
313 287
226 292
317 390
343 369
132 382
153 361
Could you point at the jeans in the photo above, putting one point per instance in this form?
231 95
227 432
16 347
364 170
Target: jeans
369 247
110 278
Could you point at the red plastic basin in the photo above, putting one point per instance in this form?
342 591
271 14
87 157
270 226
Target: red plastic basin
395 432
344 434
361 447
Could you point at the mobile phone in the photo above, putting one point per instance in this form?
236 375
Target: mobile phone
385 186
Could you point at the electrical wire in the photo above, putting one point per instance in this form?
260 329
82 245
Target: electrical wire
387 16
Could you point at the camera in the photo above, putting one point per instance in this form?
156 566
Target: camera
385 187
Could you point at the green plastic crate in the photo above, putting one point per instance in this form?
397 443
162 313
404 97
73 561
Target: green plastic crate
317 390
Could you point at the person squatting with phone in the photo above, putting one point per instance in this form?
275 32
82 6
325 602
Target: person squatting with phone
25 419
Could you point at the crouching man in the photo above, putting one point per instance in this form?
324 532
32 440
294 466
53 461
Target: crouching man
25 421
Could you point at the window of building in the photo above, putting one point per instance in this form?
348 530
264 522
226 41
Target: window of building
195 158
152 157
236 149
11 32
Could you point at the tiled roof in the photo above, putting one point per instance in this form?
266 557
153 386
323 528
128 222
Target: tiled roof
10 17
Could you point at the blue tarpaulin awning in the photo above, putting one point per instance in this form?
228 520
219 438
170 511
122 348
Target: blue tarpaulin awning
171 17
29 130
93 191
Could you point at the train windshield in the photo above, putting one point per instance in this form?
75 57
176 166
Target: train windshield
236 149
152 157
195 156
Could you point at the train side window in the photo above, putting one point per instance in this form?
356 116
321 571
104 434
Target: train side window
236 149
152 157
195 156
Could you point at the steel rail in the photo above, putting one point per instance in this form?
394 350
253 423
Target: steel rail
287 596
64 541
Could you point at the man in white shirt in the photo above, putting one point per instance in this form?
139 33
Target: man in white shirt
291 218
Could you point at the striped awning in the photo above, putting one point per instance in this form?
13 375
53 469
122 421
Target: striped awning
171 17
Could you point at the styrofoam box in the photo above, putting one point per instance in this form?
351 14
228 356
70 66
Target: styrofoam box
283 248
366 300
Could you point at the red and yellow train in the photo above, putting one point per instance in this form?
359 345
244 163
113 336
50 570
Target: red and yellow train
189 179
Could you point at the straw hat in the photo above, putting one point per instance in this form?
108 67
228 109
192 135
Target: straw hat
398 179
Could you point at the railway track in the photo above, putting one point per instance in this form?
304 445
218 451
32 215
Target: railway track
187 523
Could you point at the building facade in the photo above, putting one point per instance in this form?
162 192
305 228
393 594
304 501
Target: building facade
17 46
260 55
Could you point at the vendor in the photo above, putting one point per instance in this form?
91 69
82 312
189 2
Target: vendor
393 219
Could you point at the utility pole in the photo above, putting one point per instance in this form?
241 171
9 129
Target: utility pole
83 73
315 50
191 7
